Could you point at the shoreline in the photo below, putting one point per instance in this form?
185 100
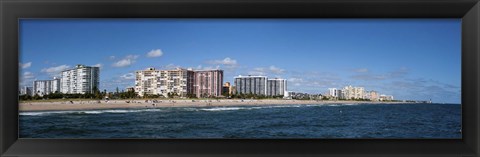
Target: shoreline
122 104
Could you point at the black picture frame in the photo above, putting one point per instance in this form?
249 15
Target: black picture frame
12 10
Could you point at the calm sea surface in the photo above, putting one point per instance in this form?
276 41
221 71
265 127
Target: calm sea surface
291 121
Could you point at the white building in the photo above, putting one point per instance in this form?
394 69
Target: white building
45 87
359 92
276 87
162 82
386 97
147 82
349 92
80 80
251 85
26 91
334 92
289 94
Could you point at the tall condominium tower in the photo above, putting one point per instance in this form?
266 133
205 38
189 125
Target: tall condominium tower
276 87
147 82
45 87
334 92
161 82
251 85
80 80
350 92
208 83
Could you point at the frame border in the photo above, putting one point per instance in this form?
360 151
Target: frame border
12 10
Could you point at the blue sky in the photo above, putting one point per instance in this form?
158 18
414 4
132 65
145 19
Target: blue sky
415 59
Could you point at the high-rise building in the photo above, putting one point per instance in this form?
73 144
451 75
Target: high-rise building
334 92
349 92
372 95
80 80
164 82
251 85
45 87
26 91
276 87
208 83
147 82
359 93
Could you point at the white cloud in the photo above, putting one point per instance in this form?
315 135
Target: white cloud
293 79
421 89
313 81
361 70
122 63
28 75
276 70
111 57
366 75
55 70
227 61
26 79
266 71
171 66
128 60
197 68
211 68
155 53
257 71
128 76
25 65
98 65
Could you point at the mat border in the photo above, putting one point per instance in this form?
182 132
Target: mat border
12 10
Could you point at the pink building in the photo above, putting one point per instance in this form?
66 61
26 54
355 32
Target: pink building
208 83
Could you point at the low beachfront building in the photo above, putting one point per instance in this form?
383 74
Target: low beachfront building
372 95
26 91
386 97
226 88
232 90
45 87
289 94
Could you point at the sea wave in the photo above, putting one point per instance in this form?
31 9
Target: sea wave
40 113
345 104
222 109
245 108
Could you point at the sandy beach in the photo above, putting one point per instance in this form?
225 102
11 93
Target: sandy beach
115 104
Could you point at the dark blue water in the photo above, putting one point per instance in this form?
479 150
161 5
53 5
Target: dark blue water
292 121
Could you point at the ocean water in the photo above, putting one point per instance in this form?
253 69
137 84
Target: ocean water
275 121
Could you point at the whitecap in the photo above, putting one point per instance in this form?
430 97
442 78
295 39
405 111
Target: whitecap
222 109
85 112
248 107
